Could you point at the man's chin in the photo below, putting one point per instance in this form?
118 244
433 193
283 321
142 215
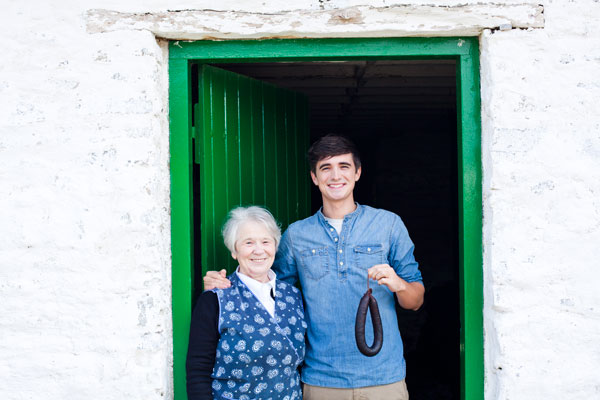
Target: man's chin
337 196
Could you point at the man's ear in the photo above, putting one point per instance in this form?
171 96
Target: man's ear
233 255
314 178
358 172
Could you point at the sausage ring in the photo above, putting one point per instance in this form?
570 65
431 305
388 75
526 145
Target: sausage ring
368 301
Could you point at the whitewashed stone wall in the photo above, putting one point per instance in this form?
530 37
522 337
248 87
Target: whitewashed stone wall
84 216
541 152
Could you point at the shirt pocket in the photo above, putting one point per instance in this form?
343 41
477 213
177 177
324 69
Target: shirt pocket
315 262
365 256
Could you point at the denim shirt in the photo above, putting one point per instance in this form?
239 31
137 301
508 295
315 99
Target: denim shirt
332 270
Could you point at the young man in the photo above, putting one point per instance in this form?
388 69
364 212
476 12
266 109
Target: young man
331 253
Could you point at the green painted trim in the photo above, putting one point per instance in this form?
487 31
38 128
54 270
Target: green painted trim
181 216
320 49
470 224
465 50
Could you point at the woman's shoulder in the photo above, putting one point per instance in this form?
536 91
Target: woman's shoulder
206 304
284 286
233 289
207 297
233 293
208 294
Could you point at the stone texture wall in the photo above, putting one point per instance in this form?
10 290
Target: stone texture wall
85 229
541 152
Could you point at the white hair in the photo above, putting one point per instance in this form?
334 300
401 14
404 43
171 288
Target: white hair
239 215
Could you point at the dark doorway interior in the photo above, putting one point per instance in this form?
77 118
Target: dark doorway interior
402 115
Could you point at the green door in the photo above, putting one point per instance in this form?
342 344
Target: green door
251 141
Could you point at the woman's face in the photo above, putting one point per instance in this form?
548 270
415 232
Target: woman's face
255 250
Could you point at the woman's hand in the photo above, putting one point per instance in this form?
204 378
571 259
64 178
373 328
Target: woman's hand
216 280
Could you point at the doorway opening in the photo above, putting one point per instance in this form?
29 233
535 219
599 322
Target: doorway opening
464 51
402 116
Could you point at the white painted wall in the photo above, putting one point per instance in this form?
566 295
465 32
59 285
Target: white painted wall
541 152
85 229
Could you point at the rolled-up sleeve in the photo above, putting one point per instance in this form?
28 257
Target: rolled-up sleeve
401 256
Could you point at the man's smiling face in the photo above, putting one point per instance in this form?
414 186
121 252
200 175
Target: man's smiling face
336 176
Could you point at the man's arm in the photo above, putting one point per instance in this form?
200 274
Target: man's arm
401 275
285 264
410 294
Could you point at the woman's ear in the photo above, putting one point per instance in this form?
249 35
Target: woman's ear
233 255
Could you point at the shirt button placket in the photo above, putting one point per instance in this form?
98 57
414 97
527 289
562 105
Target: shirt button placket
340 260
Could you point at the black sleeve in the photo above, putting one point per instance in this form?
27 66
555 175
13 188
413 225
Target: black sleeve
204 337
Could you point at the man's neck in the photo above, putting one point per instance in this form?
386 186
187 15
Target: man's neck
338 210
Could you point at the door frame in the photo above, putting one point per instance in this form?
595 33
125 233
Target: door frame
465 50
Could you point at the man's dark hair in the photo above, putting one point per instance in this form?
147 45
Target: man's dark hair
329 146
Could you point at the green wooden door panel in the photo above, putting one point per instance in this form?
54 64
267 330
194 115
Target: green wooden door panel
248 141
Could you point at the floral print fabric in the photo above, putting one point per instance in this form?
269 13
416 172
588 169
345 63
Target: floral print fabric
258 355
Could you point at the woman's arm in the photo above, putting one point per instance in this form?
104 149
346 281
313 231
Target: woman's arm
204 337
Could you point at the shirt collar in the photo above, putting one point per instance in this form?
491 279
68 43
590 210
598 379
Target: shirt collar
347 217
255 285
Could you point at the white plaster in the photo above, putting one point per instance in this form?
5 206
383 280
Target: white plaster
85 232
85 235
541 136
356 21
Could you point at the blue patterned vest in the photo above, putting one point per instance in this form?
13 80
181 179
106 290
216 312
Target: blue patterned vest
258 355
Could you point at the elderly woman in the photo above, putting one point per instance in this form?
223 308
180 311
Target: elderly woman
247 341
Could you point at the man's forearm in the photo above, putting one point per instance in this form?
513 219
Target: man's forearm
411 297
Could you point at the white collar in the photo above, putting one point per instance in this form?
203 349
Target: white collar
263 291
256 286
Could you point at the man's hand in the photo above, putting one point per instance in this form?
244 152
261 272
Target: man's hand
410 294
216 280
385 275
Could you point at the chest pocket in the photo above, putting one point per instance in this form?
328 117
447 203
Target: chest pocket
368 255
314 262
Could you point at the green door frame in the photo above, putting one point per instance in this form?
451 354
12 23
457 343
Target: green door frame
464 50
